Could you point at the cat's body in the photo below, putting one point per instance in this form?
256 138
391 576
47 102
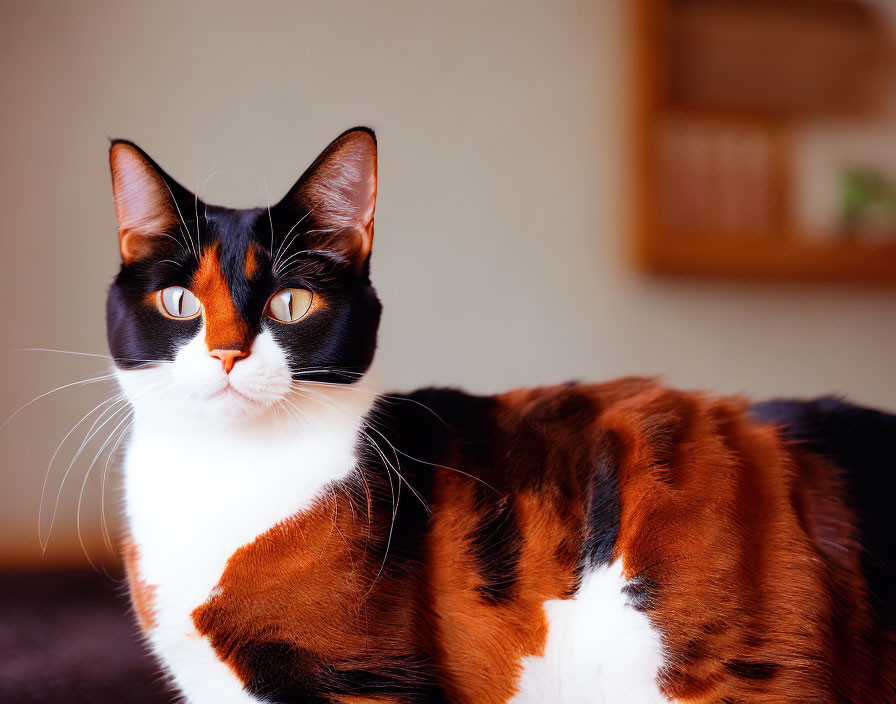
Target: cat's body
294 536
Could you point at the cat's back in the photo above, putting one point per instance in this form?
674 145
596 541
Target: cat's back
632 540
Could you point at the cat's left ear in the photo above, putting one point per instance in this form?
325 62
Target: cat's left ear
337 196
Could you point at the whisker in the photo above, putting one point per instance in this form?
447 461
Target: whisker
125 419
300 421
103 522
395 500
346 413
372 426
91 434
104 377
128 411
317 252
43 490
114 400
396 497
326 370
267 196
202 189
189 235
286 239
80 354
93 354
351 387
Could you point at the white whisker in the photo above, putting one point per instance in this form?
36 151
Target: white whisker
104 377
114 399
189 235
103 522
80 354
119 399
93 354
202 190
128 413
267 197
286 242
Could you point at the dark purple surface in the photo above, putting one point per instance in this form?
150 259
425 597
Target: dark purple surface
70 637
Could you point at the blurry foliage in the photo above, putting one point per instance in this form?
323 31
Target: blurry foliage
867 201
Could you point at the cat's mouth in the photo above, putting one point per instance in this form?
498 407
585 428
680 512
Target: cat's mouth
228 392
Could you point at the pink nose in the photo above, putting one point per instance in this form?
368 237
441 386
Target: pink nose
228 357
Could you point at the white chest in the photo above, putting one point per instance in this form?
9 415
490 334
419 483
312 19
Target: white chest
192 499
192 503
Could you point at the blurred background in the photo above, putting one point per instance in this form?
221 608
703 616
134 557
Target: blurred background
699 189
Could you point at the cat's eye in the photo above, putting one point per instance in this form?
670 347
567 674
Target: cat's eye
178 302
290 305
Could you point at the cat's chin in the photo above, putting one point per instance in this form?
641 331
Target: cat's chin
225 407
230 405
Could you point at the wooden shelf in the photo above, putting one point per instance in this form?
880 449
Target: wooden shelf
713 127
792 258
778 57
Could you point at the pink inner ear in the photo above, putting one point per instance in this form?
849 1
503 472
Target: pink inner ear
143 203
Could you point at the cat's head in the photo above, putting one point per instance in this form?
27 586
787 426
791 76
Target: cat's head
216 313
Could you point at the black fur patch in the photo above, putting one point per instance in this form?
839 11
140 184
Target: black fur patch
496 545
418 433
745 669
603 507
414 434
288 675
862 443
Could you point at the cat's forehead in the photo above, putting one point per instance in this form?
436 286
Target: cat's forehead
234 231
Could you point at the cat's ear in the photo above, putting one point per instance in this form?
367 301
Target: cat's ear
337 196
146 202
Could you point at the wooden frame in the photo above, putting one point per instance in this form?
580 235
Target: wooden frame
775 251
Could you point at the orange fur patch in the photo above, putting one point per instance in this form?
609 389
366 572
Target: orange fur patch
483 644
143 595
718 514
225 328
313 582
251 262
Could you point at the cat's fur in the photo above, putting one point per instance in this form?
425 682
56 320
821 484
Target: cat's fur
295 536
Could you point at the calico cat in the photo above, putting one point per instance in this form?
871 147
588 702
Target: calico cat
296 536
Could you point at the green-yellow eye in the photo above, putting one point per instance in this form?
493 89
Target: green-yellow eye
178 302
290 305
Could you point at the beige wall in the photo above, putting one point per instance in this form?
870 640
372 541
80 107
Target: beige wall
500 251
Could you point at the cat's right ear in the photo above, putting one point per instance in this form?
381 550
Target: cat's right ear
145 202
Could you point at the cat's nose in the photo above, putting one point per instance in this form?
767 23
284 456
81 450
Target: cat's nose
228 357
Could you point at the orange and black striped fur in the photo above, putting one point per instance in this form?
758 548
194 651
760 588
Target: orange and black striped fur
754 548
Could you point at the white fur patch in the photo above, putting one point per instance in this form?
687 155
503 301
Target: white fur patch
212 464
599 649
